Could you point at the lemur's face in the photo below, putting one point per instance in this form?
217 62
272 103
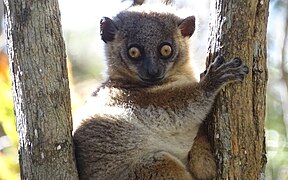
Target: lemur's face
150 64
146 48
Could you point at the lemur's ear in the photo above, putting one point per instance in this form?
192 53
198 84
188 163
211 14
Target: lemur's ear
107 29
187 26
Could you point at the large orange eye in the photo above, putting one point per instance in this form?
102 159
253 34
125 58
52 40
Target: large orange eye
165 51
134 53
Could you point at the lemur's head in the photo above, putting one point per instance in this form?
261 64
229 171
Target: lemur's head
147 48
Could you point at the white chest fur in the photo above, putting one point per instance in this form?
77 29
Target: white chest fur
173 132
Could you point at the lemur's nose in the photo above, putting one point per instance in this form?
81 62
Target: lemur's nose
153 71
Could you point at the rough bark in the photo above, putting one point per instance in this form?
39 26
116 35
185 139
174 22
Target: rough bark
40 89
238 29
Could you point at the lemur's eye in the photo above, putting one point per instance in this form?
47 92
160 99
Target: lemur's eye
165 51
134 52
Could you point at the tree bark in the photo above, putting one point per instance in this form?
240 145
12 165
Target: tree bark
238 29
40 89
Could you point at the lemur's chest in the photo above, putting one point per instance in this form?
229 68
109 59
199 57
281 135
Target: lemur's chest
166 130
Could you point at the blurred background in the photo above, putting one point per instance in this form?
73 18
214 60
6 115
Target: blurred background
80 21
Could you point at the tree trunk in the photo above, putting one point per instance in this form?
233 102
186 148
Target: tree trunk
238 29
40 89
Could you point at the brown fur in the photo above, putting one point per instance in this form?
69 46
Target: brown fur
135 128
200 156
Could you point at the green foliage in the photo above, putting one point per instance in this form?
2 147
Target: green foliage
9 167
277 95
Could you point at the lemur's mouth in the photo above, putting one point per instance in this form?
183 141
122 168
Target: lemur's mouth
153 80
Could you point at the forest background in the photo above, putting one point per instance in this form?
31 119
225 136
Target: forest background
80 21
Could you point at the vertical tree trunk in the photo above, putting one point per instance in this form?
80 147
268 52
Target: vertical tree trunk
238 29
40 89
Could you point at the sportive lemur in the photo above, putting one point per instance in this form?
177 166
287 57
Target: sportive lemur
142 122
